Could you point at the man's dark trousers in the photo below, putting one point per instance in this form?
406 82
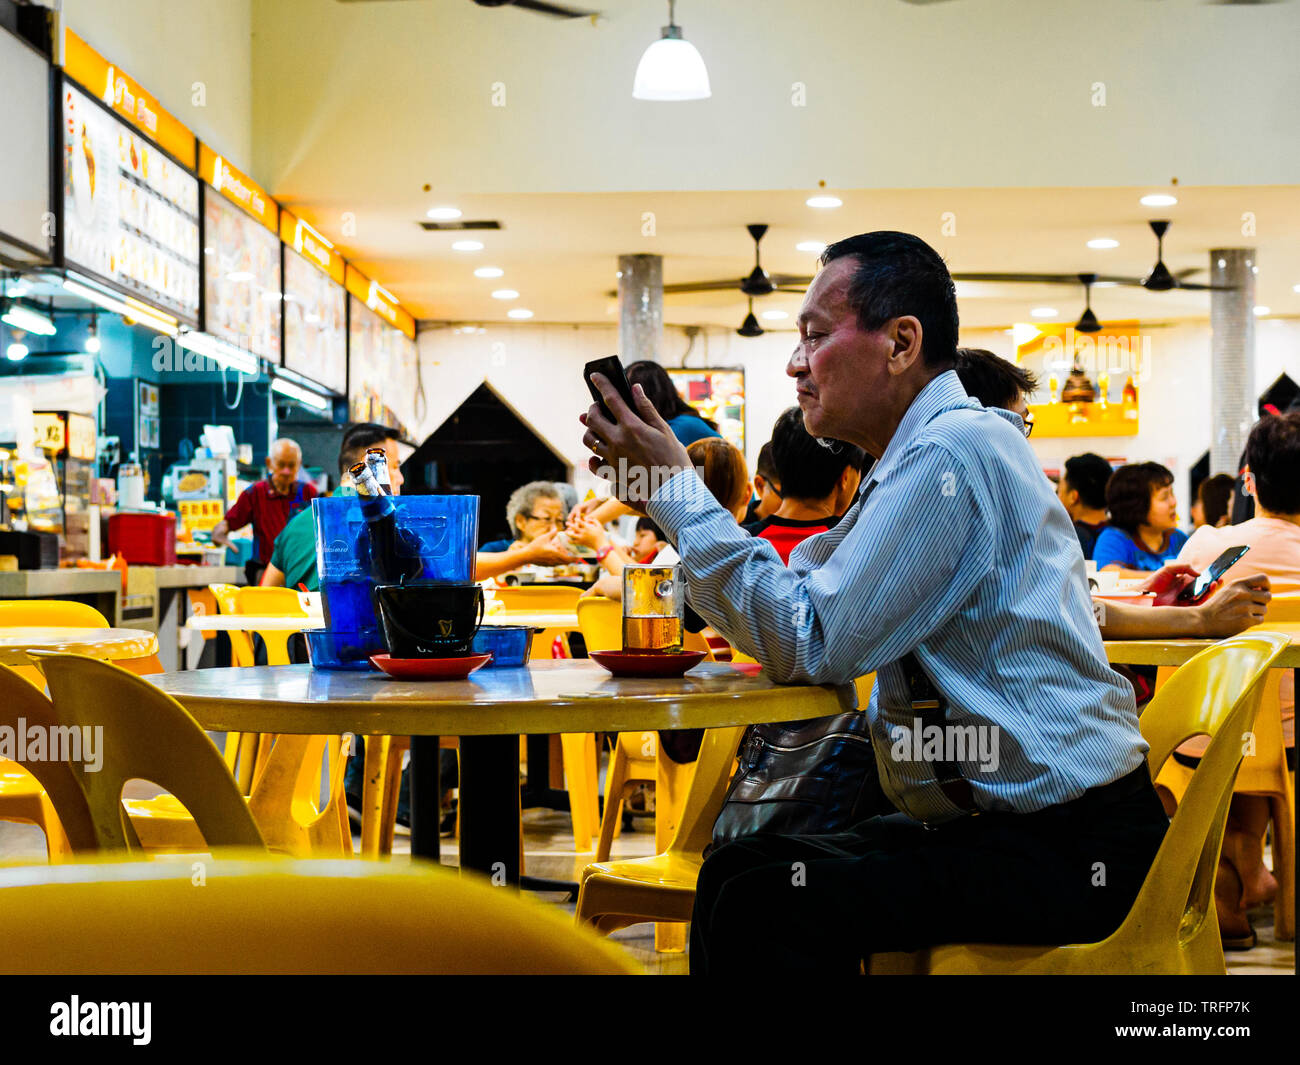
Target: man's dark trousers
1065 874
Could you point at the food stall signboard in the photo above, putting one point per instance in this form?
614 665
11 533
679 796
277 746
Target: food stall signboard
380 300
130 212
315 307
382 367
238 188
26 229
718 395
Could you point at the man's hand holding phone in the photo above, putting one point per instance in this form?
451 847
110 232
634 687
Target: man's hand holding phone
633 447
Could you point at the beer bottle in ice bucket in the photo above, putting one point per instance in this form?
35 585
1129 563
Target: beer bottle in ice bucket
393 558
377 460
654 608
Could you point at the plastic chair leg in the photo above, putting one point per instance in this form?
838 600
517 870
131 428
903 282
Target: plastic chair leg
398 746
615 782
672 782
1283 868
580 774
372 795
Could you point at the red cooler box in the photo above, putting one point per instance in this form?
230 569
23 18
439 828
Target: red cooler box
143 539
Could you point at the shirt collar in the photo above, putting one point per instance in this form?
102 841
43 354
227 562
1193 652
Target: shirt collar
942 393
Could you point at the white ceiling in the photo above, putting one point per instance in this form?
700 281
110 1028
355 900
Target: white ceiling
358 106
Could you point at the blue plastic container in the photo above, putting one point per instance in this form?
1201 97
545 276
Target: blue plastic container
509 645
340 650
441 530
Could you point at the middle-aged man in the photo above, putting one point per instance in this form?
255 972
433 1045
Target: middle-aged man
958 552
268 504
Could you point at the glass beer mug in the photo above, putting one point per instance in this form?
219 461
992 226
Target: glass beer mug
654 608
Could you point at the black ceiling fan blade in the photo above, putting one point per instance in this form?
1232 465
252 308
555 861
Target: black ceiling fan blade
703 286
750 327
791 280
554 10
1194 287
792 288
1039 279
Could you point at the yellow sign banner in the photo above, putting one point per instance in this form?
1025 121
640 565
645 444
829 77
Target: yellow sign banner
238 187
311 245
380 300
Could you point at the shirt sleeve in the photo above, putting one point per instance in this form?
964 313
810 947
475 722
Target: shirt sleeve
904 564
241 513
1113 546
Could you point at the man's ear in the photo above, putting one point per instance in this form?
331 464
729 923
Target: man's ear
905 335
1247 481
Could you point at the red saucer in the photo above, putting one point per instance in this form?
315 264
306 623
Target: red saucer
457 668
639 664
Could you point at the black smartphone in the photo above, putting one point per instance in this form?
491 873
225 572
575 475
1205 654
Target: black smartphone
1216 569
611 368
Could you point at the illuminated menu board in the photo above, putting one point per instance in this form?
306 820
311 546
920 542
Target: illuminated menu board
315 338
383 367
718 395
130 212
241 278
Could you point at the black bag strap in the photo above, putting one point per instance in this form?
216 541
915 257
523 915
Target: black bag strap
930 707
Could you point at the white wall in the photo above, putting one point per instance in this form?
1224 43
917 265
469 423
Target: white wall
168 46
537 371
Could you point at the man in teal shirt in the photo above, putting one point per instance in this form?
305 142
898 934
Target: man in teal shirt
293 558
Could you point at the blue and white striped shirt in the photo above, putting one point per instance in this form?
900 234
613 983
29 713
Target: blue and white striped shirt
959 551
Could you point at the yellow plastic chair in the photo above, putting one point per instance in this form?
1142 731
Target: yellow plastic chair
1263 772
144 734
21 797
291 916
271 602
44 792
661 888
1172 928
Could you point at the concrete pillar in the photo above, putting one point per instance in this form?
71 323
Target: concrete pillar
640 307
1232 356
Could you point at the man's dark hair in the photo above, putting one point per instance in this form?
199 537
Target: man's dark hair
357 438
765 467
1215 494
1088 474
993 380
1273 455
899 274
1128 495
805 468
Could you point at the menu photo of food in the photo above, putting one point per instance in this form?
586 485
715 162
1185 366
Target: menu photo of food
315 341
130 212
242 279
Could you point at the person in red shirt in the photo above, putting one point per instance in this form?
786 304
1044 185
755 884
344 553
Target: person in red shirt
818 483
270 503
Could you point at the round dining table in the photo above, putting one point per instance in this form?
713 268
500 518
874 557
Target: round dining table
1176 652
111 645
488 710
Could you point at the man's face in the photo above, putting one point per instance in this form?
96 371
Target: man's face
283 464
395 477
1066 495
840 371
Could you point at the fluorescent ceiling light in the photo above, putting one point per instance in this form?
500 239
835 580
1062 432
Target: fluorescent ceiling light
773 316
127 308
1044 312
1158 199
444 214
824 202
816 247
519 312
16 352
219 351
671 69
505 294
302 395
489 271
1103 242
1261 310
28 320
240 275
467 245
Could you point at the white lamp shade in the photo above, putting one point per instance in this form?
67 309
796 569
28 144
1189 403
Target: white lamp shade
671 69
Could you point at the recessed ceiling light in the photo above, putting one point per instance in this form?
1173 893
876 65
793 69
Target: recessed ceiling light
519 312
16 352
824 202
773 316
505 294
1295 288
1044 312
816 247
1103 242
444 214
1158 199
240 275
1105 284
467 245
1261 310
489 271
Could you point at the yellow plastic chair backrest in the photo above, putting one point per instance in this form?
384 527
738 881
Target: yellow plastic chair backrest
20 700
601 622
539 600
269 602
285 797
53 613
241 644
143 734
1217 694
291 916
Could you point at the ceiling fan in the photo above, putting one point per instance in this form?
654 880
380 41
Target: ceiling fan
1087 322
1160 279
750 327
541 7
758 282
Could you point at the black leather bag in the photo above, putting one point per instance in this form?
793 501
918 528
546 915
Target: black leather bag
803 778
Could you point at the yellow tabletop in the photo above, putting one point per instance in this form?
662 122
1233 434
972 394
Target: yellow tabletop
1176 652
108 644
253 623
560 695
